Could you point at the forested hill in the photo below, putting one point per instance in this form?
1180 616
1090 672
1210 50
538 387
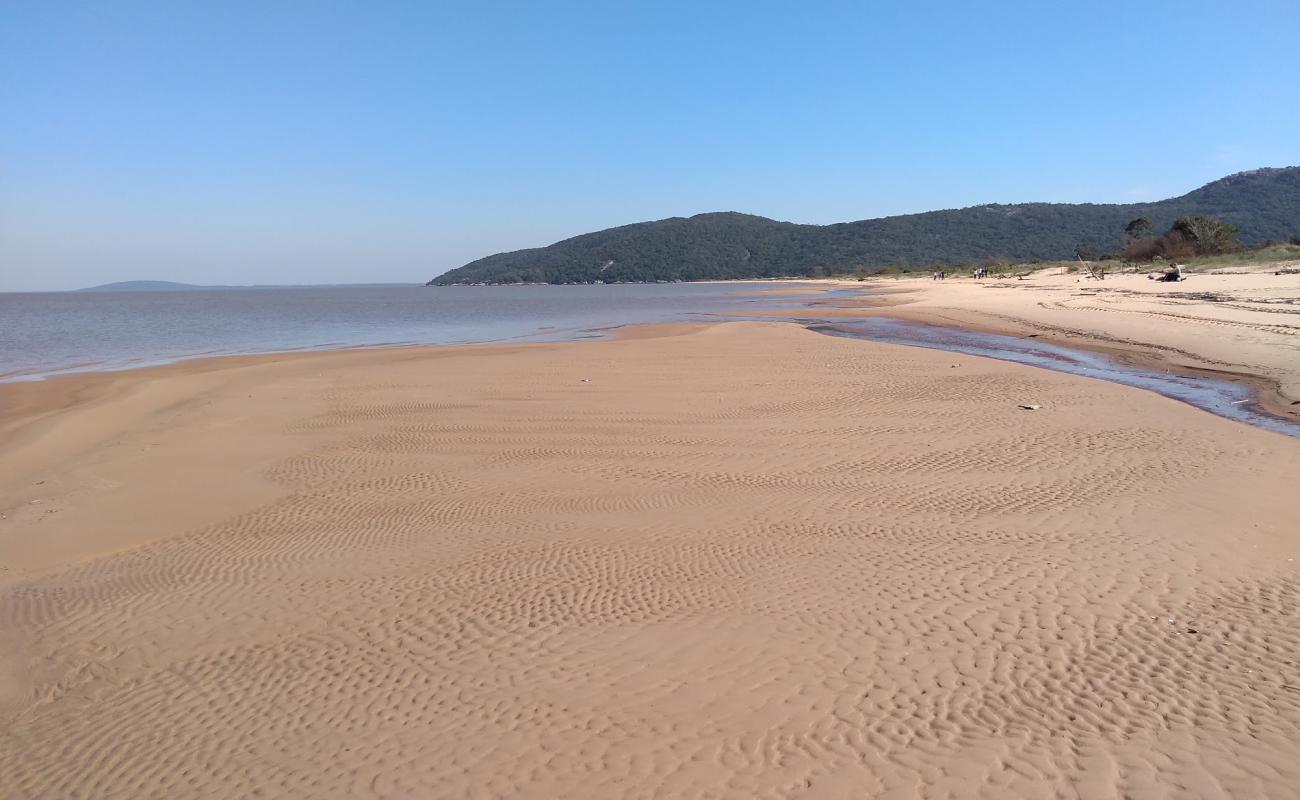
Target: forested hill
1264 204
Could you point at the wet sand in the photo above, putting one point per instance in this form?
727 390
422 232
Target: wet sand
741 560
1243 323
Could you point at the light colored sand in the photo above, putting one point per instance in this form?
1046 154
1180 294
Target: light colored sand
745 561
1241 323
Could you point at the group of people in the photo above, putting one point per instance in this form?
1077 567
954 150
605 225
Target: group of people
1173 273
977 272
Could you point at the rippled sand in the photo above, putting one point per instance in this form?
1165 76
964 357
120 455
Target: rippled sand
746 561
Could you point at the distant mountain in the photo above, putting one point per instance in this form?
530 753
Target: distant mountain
141 286
1263 203
170 286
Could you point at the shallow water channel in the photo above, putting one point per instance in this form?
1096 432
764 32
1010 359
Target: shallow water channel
1226 398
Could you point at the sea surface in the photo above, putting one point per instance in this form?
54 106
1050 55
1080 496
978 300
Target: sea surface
50 333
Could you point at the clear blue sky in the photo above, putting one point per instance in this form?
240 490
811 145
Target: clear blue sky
268 142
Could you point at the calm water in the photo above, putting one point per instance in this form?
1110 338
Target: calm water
49 333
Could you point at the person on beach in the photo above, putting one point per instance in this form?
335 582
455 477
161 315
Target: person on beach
1173 274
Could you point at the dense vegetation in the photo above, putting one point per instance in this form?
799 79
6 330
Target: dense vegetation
1263 205
1197 235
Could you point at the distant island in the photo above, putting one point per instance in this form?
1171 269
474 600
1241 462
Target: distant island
172 286
1263 204
141 286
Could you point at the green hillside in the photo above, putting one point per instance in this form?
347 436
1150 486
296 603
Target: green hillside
1263 203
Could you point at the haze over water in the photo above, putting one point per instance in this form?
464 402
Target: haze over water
43 334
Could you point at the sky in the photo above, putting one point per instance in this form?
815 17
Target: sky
322 142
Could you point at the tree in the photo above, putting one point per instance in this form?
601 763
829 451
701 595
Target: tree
1210 234
1139 228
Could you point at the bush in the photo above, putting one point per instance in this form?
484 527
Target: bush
1196 235
1211 236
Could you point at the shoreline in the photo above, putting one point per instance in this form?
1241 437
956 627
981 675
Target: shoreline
28 402
1267 395
962 305
257 321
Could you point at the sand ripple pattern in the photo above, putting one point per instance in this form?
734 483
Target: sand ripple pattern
750 562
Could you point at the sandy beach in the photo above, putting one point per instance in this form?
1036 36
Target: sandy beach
1243 322
738 560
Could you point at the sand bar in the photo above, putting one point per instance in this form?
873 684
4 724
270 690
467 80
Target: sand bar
742 560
